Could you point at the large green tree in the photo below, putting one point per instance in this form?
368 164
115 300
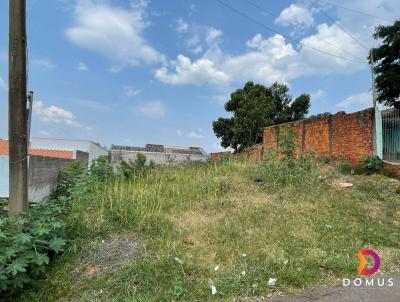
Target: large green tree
255 107
387 68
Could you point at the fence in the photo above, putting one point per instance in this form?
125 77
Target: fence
391 135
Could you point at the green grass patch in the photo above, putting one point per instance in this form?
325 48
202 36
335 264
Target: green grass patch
253 221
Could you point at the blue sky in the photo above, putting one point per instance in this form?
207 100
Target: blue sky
136 72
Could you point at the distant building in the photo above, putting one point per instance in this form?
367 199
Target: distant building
44 167
160 154
93 149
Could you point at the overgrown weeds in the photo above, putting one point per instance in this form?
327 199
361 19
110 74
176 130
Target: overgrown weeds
291 225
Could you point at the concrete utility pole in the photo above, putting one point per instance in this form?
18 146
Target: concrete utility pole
373 80
17 110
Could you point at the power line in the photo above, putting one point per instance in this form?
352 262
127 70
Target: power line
287 37
341 27
358 11
290 21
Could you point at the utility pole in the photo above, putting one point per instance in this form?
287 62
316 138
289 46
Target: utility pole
373 79
17 110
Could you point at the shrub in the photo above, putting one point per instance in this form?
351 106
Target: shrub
25 254
69 177
372 164
136 169
100 169
282 167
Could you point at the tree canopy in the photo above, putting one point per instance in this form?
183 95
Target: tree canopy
387 69
255 107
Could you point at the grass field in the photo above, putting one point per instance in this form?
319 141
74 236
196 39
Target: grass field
171 235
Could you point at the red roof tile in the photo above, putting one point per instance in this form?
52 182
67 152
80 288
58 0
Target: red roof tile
4 150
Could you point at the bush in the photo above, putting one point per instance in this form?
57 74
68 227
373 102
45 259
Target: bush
136 169
25 254
69 177
372 164
100 169
282 167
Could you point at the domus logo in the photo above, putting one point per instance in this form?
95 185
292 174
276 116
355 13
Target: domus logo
367 268
361 270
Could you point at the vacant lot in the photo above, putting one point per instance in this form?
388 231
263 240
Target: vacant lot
172 234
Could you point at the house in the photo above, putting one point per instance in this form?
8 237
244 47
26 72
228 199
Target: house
160 154
93 149
44 167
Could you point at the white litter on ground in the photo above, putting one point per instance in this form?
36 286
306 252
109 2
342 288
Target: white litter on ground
244 255
271 282
243 273
180 261
213 290
216 268
344 184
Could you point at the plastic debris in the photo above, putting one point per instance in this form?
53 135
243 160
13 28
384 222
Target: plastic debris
180 261
344 184
244 255
213 290
271 282
243 273
103 241
285 262
216 268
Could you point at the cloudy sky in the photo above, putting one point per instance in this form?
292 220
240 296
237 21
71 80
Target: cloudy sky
136 72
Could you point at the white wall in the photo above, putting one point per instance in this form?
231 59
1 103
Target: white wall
3 176
69 144
159 158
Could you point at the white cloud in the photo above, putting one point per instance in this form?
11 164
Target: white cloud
190 134
115 32
3 85
200 37
82 67
130 91
268 59
295 15
44 62
319 93
201 71
181 26
357 101
152 109
56 115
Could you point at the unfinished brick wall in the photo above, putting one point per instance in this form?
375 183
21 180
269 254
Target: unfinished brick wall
352 136
254 153
393 167
339 137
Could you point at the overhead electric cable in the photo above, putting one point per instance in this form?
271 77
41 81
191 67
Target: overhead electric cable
286 36
338 25
289 21
358 11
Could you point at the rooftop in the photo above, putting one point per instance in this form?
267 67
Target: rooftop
162 149
4 151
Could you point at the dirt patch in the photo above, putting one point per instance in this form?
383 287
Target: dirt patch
110 253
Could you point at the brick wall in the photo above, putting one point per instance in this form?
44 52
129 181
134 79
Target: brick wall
339 137
254 153
393 167
352 136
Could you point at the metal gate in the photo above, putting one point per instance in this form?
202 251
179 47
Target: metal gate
391 134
